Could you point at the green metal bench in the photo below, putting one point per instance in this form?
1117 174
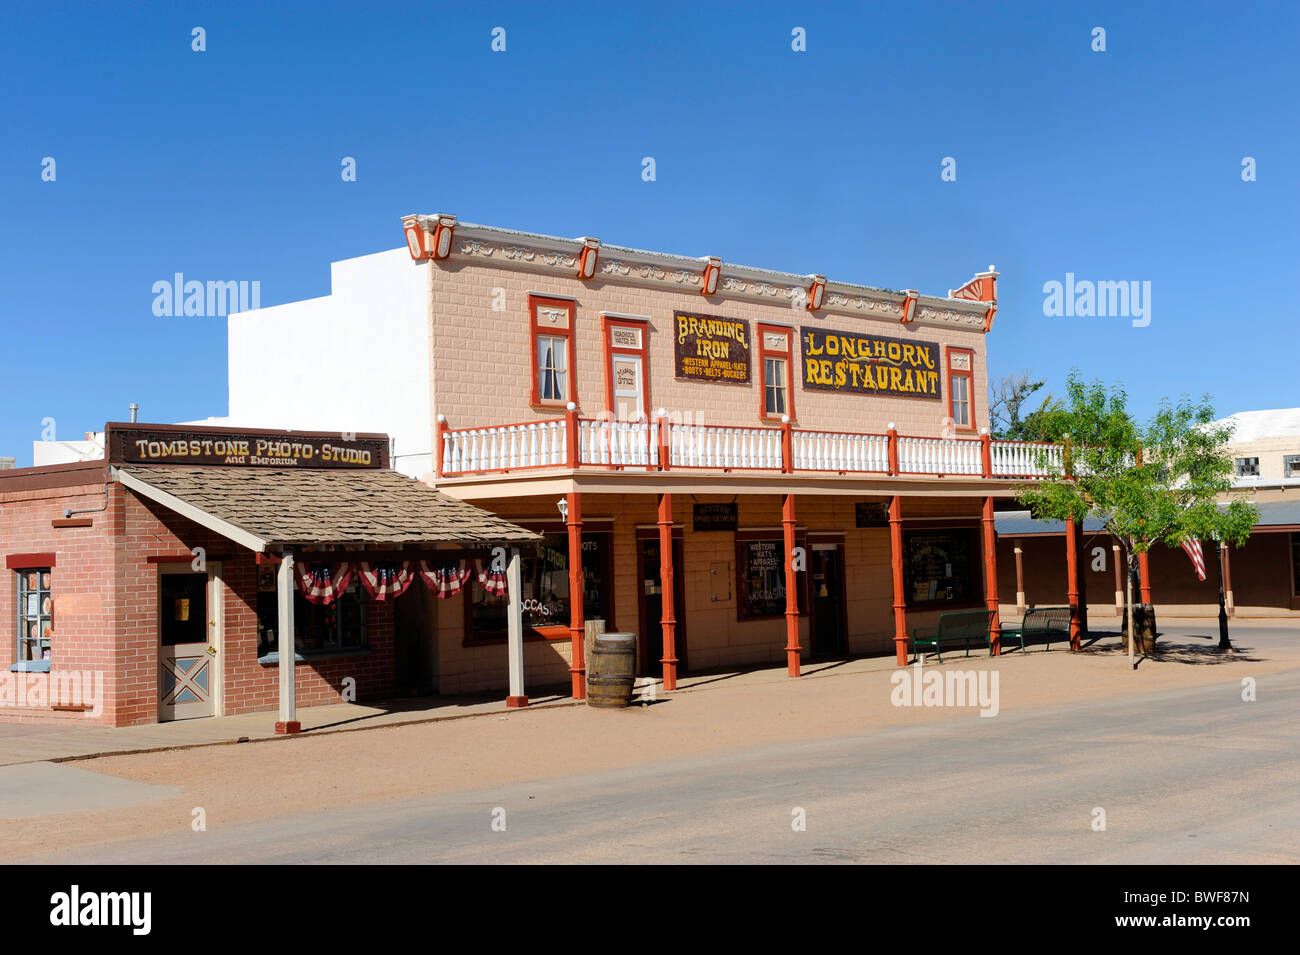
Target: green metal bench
1038 622
958 626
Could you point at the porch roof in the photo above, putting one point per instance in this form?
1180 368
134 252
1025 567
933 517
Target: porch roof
270 508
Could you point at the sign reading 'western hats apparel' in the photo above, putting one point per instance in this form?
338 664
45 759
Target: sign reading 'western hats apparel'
710 348
252 449
869 364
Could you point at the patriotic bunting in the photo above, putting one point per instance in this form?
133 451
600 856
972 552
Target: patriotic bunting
493 581
385 580
446 579
322 583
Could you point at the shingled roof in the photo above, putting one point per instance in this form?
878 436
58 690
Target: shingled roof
271 507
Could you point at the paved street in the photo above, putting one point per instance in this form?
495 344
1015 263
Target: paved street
1190 775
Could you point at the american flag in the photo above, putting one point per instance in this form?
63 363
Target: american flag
1193 548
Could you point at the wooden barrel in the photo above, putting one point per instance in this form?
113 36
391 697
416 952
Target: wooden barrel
611 671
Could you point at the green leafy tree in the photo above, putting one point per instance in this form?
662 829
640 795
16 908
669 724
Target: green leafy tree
1163 482
1010 419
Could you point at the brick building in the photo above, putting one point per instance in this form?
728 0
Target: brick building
679 430
162 581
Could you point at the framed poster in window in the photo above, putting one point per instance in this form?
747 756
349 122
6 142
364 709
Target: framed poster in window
760 578
941 568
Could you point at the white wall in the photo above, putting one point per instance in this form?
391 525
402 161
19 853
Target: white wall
354 360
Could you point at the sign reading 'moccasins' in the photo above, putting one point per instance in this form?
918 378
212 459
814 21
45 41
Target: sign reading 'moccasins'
148 446
869 364
711 348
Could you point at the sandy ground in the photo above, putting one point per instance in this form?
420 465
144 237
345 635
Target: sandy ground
263 779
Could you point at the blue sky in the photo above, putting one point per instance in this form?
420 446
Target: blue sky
1116 166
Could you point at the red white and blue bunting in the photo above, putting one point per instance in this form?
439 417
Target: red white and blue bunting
445 579
493 581
323 583
387 580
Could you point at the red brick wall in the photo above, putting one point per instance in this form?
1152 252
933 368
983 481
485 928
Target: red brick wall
106 608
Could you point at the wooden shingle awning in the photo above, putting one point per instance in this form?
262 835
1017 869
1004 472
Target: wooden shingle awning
267 509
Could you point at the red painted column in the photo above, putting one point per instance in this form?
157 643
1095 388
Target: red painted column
442 444
991 575
668 619
1144 577
577 619
792 648
892 435
896 562
572 435
1072 579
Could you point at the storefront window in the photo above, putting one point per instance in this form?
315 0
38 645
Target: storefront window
35 614
545 580
761 579
941 566
318 628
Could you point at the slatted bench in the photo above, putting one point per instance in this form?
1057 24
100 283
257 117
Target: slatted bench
1041 622
958 626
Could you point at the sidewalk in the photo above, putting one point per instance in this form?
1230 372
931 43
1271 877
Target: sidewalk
30 743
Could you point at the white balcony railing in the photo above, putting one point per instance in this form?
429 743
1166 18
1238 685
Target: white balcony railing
506 447
840 451
618 443
708 446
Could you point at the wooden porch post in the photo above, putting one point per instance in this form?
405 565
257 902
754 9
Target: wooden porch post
991 576
1020 581
1227 579
1144 577
288 721
896 561
668 619
1119 580
792 647
577 621
515 631
1072 580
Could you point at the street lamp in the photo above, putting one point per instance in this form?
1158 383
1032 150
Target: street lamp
1224 642
562 505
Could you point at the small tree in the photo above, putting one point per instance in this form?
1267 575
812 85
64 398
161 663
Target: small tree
1010 420
1158 483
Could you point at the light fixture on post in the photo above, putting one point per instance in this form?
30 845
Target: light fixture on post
709 283
816 292
587 258
562 505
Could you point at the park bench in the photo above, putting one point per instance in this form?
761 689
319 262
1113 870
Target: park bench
959 626
1041 622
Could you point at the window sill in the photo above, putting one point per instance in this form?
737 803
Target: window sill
273 658
30 666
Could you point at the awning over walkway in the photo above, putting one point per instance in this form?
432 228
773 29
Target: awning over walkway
287 510
1273 516
272 508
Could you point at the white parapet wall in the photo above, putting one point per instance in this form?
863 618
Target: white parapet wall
354 360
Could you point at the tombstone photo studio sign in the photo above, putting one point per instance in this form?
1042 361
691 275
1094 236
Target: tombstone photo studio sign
710 348
289 449
869 364
717 517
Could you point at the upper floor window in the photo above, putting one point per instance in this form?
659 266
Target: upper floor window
1247 467
777 384
1291 465
35 614
961 377
551 323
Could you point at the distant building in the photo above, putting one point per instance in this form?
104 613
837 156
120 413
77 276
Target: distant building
1265 447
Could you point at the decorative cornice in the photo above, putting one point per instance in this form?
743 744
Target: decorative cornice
552 254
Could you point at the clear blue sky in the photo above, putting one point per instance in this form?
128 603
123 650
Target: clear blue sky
1123 165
